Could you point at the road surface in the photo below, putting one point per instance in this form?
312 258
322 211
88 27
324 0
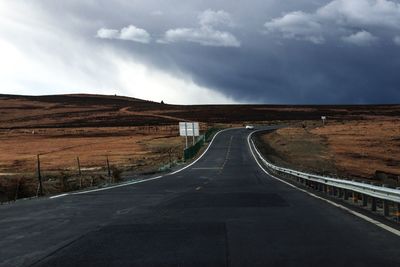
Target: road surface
221 211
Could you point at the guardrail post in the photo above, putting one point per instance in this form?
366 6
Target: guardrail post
345 194
354 190
315 185
335 191
364 200
385 207
340 192
355 197
373 204
330 190
398 212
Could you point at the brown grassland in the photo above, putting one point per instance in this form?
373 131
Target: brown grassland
141 137
359 149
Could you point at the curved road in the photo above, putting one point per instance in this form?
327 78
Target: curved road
221 211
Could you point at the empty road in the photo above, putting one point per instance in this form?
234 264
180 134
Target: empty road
221 211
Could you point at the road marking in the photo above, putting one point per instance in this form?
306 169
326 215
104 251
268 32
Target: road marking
149 179
198 188
228 152
62 195
124 211
207 168
106 188
362 216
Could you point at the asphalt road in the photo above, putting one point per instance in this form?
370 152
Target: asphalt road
222 211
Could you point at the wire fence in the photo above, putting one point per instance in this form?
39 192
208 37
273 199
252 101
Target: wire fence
61 171
192 151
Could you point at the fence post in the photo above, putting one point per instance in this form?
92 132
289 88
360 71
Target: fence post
186 136
17 189
79 166
79 172
193 133
108 169
39 176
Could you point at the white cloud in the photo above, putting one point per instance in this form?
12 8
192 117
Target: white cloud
205 34
134 34
338 16
130 33
361 38
396 40
215 18
107 33
297 25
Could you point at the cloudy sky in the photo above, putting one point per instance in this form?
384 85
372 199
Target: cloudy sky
266 51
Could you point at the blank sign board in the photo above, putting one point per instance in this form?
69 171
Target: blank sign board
189 129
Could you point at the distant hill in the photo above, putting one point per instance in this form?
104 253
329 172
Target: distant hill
84 110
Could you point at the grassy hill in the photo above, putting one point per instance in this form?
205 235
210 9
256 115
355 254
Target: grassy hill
66 111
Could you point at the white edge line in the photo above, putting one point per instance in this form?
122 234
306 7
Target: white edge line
149 179
362 216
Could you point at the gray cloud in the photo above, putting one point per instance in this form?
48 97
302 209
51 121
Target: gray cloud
361 38
384 13
215 18
396 40
238 51
297 25
205 34
336 18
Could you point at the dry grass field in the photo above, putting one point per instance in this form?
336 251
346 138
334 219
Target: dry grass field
130 151
363 149
140 137
59 148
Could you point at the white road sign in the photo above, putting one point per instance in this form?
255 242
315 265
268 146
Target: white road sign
189 129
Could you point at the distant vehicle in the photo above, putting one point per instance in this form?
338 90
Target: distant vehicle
249 127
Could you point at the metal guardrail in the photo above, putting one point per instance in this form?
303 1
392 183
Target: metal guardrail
362 188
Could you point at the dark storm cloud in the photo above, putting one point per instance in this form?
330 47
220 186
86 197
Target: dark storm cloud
339 51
